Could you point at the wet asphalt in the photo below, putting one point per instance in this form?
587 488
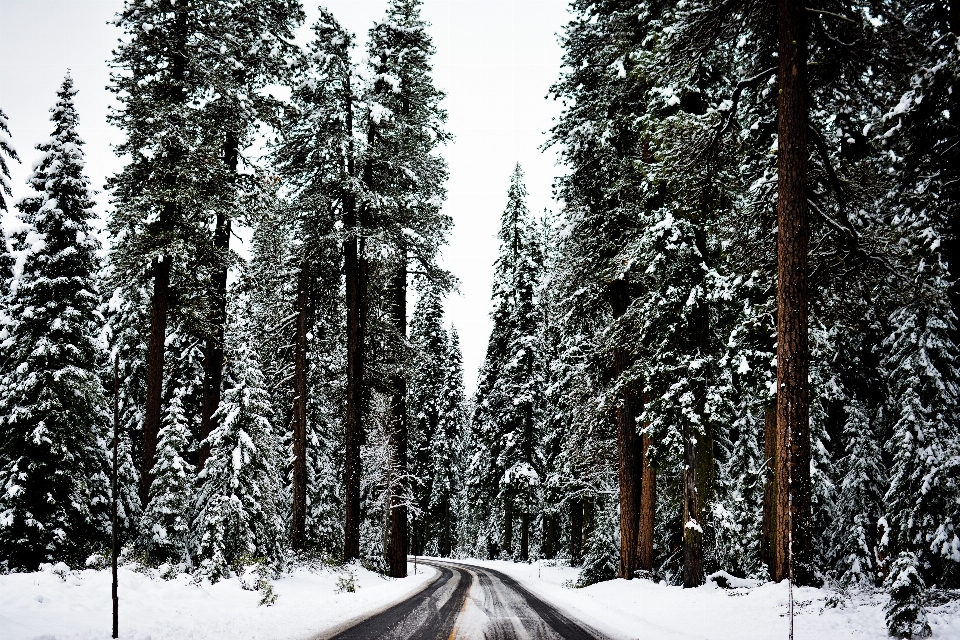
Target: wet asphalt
466 602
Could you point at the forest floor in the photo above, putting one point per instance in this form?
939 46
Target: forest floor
651 611
77 606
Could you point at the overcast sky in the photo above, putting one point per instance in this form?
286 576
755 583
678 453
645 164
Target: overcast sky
495 59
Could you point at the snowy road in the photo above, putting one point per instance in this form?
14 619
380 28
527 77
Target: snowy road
470 603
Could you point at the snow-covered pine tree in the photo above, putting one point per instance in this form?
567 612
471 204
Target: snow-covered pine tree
165 525
504 476
906 615
7 152
447 450
317 157
237 514
859 499
54 483
405 175
428 340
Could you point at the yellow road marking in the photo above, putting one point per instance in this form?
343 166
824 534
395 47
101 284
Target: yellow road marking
466 599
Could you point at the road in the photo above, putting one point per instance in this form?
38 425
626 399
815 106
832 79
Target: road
470 603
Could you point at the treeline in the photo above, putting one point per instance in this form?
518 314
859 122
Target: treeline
737 347
263 405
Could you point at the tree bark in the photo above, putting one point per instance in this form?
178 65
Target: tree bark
213 351
768 536
794 545
524 536
355 269
299 517
692 530
648 506
398 420
576 531
154 402
508 527
629 453
549 535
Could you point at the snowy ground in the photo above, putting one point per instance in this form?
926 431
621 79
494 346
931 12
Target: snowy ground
649 611
43 605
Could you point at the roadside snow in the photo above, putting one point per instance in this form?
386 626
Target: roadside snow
77 606
643 609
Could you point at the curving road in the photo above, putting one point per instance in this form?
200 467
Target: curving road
470 603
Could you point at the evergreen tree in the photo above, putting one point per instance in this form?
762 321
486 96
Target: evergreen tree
447 450
6 152
905 613
428 340
53 408
166 521
237 514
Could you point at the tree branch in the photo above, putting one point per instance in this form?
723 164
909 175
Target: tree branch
749 83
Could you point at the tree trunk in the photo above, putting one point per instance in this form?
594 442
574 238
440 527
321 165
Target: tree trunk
794 544
524 536
355 270
629 454
549 534
298 525
508 527
153 407
398 421
213 352
648 506
576 531
692 530
768 536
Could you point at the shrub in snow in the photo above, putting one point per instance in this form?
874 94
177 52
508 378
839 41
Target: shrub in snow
905 613
237 514
601 553
165 524
346 584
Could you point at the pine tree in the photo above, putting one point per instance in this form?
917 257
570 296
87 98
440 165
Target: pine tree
52 404
6 152
447 450
905 613
166 521
405 176
428 340
237 514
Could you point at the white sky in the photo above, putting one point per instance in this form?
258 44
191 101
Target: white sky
495 59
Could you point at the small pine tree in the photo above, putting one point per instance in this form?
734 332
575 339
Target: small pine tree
53 481
165 527
237 512
905 613
601 552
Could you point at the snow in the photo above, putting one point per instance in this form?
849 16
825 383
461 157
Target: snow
77 606
644 609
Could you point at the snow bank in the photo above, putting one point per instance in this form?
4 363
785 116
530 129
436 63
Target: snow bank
77 606
643 609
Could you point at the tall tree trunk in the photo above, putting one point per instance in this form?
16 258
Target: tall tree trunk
508 527
648 506
398 422
549 534
299 517
576 531
793 411
153 405
629 453
768 536
524 536
355 269
697 445
213 351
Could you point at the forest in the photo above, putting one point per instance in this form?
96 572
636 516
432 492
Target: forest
733 346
